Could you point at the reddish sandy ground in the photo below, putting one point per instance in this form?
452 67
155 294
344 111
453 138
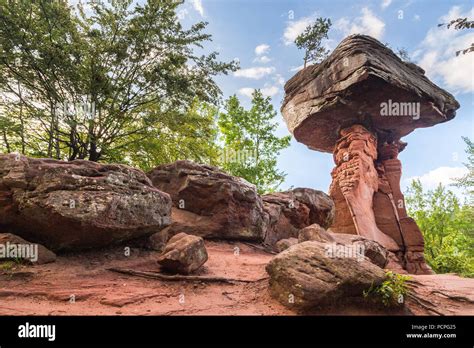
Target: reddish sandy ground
48 289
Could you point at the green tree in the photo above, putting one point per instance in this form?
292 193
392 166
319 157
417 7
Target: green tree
250 146
98 84
191 135
467 181
447 228
311 40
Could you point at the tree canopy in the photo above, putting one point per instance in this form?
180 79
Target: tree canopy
250 145
104 81
447 227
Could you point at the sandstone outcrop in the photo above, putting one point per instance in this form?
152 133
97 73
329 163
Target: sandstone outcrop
357 104
355 181
183 254
210 203
78 204
290 211
305 276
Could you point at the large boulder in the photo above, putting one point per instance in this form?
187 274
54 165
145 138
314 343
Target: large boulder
210 203
183 253
314 232
290 211
375 252
13 247
284 244
307 276
78 204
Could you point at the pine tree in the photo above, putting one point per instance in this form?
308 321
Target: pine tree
311 40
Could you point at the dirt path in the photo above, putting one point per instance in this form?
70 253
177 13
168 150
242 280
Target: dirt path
80 284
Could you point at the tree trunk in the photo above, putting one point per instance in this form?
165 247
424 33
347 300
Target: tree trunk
5 139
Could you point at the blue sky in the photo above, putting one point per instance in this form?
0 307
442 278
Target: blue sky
259 33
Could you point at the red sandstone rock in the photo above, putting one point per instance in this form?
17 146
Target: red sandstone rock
375 252
305 276
355 181
290 211
315 232
210 203
346 105
215 205
183 254
349 87
78 204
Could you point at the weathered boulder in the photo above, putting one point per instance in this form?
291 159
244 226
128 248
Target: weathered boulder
183 253
304 276
78 204
290 211
375 252
357 104
13 247
314 232
210 203
284 244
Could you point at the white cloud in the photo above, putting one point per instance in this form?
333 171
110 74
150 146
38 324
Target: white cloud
416 17
367 24
197 4
443 175
270 91
260 52
247 91
437 54
295 28
255 73
267 91
280 80
385 3
262 49
262 59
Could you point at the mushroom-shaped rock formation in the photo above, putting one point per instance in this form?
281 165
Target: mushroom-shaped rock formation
357 104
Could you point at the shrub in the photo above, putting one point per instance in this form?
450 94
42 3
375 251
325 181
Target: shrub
391 292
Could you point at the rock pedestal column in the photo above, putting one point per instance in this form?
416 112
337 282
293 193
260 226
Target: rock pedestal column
390 210
369 202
